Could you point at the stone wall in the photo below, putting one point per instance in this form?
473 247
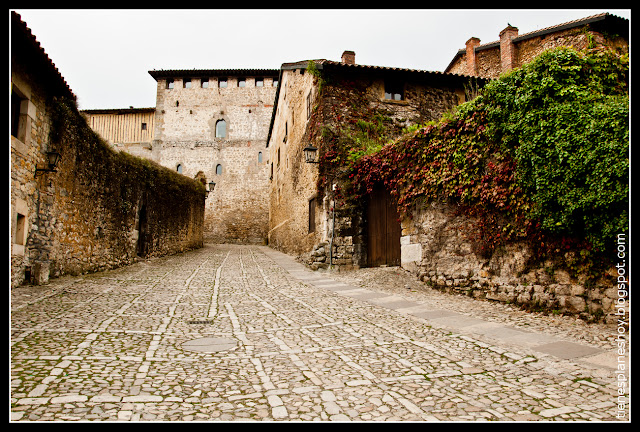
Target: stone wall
99 208
436 250
293 183
425 98
185 140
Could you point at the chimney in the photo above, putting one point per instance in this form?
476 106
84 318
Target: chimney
349 57
471 44
507 49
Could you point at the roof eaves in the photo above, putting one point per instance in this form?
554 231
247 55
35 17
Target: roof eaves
22 27
187 73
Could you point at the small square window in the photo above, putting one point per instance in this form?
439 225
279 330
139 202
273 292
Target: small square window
186 83
241 82
144 126
222 82
170 84
259 82
204 83
393 91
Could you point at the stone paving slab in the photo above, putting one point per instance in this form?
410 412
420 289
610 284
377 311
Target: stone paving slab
239 333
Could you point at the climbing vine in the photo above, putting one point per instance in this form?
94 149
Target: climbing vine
541 154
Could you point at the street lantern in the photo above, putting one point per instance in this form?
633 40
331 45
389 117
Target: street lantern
53 158
212 186
310 154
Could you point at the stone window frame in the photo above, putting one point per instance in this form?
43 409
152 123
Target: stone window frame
226 128
20 142
25 116
391 89
19 227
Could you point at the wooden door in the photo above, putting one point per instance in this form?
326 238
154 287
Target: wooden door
383 230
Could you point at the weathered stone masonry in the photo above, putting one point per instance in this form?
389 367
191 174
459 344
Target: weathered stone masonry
100 209
215 122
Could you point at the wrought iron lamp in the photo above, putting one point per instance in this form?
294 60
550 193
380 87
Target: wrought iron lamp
212 186
310 154
53 158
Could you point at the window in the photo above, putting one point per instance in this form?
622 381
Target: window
286 132
20 226
393 91
16 101
204 82
312 215
241 82
218 169
275 82
259 157
186 83
221 129
222 82
144 126
170 84
179 168
309 105
259 82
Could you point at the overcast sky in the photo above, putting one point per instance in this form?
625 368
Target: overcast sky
106 55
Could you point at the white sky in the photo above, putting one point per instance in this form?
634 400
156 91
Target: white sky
105 54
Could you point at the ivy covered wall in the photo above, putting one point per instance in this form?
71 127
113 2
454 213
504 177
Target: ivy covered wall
104 208
538 160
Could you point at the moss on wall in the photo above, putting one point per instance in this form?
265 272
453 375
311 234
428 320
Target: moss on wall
105 207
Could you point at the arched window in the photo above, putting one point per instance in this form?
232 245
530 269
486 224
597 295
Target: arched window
218 169
259 157
179 168
221 129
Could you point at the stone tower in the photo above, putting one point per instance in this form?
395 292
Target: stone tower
214 124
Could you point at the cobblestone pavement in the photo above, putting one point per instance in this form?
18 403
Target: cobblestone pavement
243 333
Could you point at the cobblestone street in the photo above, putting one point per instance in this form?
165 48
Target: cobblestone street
243 333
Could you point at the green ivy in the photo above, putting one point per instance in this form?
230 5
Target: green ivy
541 154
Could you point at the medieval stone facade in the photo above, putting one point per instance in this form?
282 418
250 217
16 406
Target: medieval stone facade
93 208
304 220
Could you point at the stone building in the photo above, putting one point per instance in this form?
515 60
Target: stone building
213 124
76 205
512 50
321 97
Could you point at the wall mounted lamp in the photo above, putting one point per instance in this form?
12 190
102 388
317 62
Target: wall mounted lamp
212 186
310 154
53 157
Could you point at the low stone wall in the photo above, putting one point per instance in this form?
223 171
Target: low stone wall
435 249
